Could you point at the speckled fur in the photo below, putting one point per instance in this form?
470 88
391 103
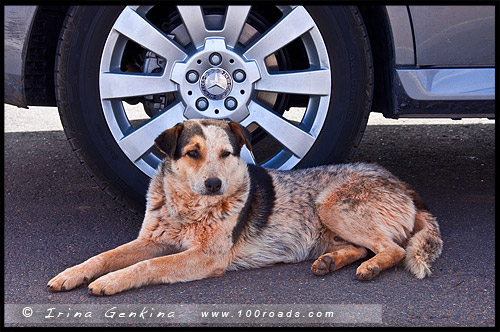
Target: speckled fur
259 217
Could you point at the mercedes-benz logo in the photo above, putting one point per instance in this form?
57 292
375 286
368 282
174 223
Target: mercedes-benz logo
216 83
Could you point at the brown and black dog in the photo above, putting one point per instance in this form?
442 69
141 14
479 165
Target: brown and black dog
209 212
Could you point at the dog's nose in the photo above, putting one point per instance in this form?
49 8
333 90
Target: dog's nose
213 184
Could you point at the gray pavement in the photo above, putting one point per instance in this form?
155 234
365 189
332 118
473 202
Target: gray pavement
56 217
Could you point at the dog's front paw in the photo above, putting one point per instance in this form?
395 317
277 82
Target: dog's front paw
68 279
367 271
109 284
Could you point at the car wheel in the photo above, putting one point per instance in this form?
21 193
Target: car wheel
299 78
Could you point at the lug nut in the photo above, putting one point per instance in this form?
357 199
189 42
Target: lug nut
215 59
192 76
239 75
230 103
202 104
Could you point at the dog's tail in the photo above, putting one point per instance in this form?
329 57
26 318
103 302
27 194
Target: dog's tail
425 246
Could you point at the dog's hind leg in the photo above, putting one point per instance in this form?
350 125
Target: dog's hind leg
371 212
332 261
387 255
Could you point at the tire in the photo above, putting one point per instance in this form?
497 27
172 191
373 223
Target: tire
95 91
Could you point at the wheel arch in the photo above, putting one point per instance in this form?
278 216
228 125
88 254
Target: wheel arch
378 27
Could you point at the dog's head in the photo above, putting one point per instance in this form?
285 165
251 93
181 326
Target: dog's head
205 154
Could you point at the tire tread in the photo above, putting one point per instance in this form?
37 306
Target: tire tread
64 101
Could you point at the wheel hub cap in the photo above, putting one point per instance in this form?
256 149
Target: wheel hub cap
212 68
216 83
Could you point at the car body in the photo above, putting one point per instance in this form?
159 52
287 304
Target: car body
436 54
402 61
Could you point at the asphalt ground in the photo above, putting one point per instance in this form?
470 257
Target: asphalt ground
56 217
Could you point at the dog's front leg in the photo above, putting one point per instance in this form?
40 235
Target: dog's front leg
192 264
115 259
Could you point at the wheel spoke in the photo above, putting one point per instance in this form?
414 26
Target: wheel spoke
289 28
247 156
142 139
118 85
135 27
236 17
293 138
192 16
310 82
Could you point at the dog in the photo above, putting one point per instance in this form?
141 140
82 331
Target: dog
209 212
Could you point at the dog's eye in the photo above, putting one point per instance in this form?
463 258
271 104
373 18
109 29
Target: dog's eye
193 154
225 154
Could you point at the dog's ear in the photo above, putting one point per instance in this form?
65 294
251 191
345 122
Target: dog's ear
167 141
242 134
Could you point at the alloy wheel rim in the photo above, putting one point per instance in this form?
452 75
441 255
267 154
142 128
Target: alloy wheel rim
215 77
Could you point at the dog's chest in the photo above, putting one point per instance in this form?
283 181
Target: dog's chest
184 235
194 224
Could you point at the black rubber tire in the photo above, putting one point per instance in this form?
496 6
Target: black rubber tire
77 92
351 63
